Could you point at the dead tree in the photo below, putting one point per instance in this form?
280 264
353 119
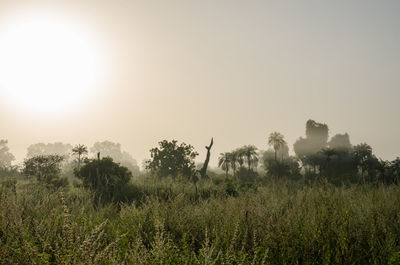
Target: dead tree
203 170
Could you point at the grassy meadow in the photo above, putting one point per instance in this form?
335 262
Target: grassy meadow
168 221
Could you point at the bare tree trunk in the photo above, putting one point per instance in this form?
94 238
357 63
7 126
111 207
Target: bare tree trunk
203 170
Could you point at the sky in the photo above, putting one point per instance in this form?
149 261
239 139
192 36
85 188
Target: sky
192 70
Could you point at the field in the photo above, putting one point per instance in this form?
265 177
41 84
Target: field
211 222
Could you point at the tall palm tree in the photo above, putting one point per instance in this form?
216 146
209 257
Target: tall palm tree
251 155
240 156
233 157
224 162
363 154
326 156
276 140
79 150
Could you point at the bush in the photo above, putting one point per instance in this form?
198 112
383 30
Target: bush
246 176
230 188
105 178
46 169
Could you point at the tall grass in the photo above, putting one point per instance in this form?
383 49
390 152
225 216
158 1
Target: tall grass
173 222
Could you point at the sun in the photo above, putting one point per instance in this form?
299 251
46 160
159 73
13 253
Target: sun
47 64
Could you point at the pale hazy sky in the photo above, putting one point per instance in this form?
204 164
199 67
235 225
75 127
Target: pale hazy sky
234 70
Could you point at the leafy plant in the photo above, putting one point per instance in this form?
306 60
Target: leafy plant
171 159
46 169
105 178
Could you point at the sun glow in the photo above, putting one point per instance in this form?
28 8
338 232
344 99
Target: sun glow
47 64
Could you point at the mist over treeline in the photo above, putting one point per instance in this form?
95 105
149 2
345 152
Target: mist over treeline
317 155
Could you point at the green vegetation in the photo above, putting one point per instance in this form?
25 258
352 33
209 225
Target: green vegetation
46 169
332 203
172 222
105 178
171 159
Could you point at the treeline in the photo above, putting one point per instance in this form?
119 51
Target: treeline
72 155
106 169
316 157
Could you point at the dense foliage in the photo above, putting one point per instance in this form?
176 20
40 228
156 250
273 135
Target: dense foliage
171 159
104 177
46 169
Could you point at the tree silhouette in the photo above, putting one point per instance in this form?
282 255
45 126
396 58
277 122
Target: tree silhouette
79 150
224 162
317 133
276 140
240 156
362 154
5 156
340 142
203 170
105 178
383 166
57 148
394 169
114 150
233 158
307 149
172 159
327 154
250 152
46 168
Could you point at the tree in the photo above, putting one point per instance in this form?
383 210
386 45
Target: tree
203 170
171 159
5 156
362 154
383 166
327 154
46 168
317 133
79 150
279 169
307 149
224 162
114 150
105 178
251 155
302 150
276 140
233 158
56 148
394 171
340 142
107 148
268 156
240 156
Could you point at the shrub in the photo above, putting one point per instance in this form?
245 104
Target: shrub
105 178
246 176
46 169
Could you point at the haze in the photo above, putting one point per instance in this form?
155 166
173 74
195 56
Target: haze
232 70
